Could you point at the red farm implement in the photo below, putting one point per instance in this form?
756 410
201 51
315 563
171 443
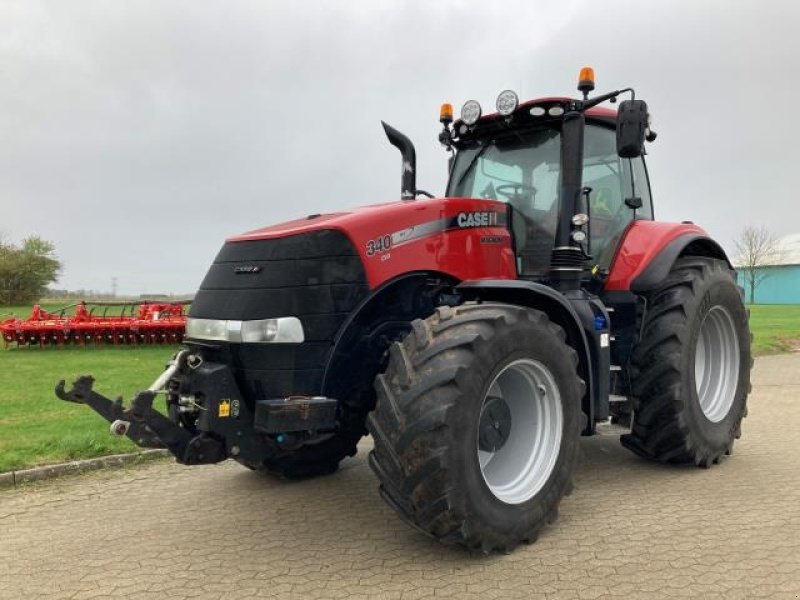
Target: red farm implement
128 323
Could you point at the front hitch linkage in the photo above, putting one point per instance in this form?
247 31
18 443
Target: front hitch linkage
142 424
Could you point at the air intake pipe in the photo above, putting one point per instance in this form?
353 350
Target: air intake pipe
408 182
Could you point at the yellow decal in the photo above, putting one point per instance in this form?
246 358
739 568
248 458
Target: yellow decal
225 408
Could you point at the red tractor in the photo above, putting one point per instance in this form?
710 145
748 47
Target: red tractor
474 336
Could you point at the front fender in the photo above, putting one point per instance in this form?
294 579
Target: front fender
383 316
575 313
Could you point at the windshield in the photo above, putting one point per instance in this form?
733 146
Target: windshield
523 170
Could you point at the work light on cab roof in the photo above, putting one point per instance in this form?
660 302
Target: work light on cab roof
471 112
507 102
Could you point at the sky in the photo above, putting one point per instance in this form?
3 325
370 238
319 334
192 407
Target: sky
137 136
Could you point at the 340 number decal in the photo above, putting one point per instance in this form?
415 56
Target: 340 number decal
381 244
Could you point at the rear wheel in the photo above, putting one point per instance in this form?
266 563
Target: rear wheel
690 371
477 424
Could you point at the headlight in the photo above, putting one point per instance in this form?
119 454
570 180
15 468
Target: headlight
507 102
207 329
283 330
471 112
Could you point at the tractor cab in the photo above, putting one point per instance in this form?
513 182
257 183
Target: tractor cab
556 163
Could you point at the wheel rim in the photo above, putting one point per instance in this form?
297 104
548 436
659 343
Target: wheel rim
716 364
517 457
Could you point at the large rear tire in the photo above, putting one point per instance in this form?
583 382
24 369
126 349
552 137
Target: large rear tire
477 424
690 370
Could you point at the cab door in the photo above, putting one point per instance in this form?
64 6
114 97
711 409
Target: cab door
609 179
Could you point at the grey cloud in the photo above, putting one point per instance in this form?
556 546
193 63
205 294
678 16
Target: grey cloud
137 136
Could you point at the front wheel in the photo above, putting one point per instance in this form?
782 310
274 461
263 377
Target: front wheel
690 371
477 424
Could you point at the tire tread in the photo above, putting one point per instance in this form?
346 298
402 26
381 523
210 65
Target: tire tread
415 394
659 431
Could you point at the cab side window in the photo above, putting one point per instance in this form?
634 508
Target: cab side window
642 187
609 178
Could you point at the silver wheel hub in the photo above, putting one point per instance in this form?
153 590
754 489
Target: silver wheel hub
716 364
520 430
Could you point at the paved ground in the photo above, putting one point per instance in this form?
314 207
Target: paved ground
631 529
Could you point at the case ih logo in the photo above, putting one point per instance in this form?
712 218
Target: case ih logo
246 269
477 219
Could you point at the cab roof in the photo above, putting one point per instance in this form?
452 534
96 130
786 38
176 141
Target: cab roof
600 112
492 122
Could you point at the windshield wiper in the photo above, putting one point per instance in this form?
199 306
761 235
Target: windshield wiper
471 164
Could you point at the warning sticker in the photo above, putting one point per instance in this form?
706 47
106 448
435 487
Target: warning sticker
224 408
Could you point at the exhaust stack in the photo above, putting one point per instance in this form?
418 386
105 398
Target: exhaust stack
408 182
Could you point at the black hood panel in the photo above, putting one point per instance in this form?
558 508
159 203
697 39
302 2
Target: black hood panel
315 276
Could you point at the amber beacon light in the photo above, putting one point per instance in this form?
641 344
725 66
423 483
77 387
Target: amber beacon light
446 113
586 81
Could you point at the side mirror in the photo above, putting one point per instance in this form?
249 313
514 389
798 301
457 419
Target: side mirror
632 122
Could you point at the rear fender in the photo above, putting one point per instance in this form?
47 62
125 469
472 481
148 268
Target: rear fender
649 249
574 315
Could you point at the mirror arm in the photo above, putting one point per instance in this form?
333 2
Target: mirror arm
610 96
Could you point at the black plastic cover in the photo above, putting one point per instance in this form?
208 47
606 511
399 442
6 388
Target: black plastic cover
631 128
287 415
316 276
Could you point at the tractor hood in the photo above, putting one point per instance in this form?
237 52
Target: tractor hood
449 235
371 217
321 269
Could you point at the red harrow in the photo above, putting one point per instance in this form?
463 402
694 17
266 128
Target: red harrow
152 323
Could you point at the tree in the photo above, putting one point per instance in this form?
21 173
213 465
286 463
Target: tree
757 248
26 270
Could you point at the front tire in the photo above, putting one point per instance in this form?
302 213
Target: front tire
477 424
690 371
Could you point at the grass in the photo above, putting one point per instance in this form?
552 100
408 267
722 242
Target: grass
36 428
775 327
6 312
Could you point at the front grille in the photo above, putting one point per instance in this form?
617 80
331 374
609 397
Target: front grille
317 277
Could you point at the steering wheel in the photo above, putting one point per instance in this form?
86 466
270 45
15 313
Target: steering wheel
509 190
